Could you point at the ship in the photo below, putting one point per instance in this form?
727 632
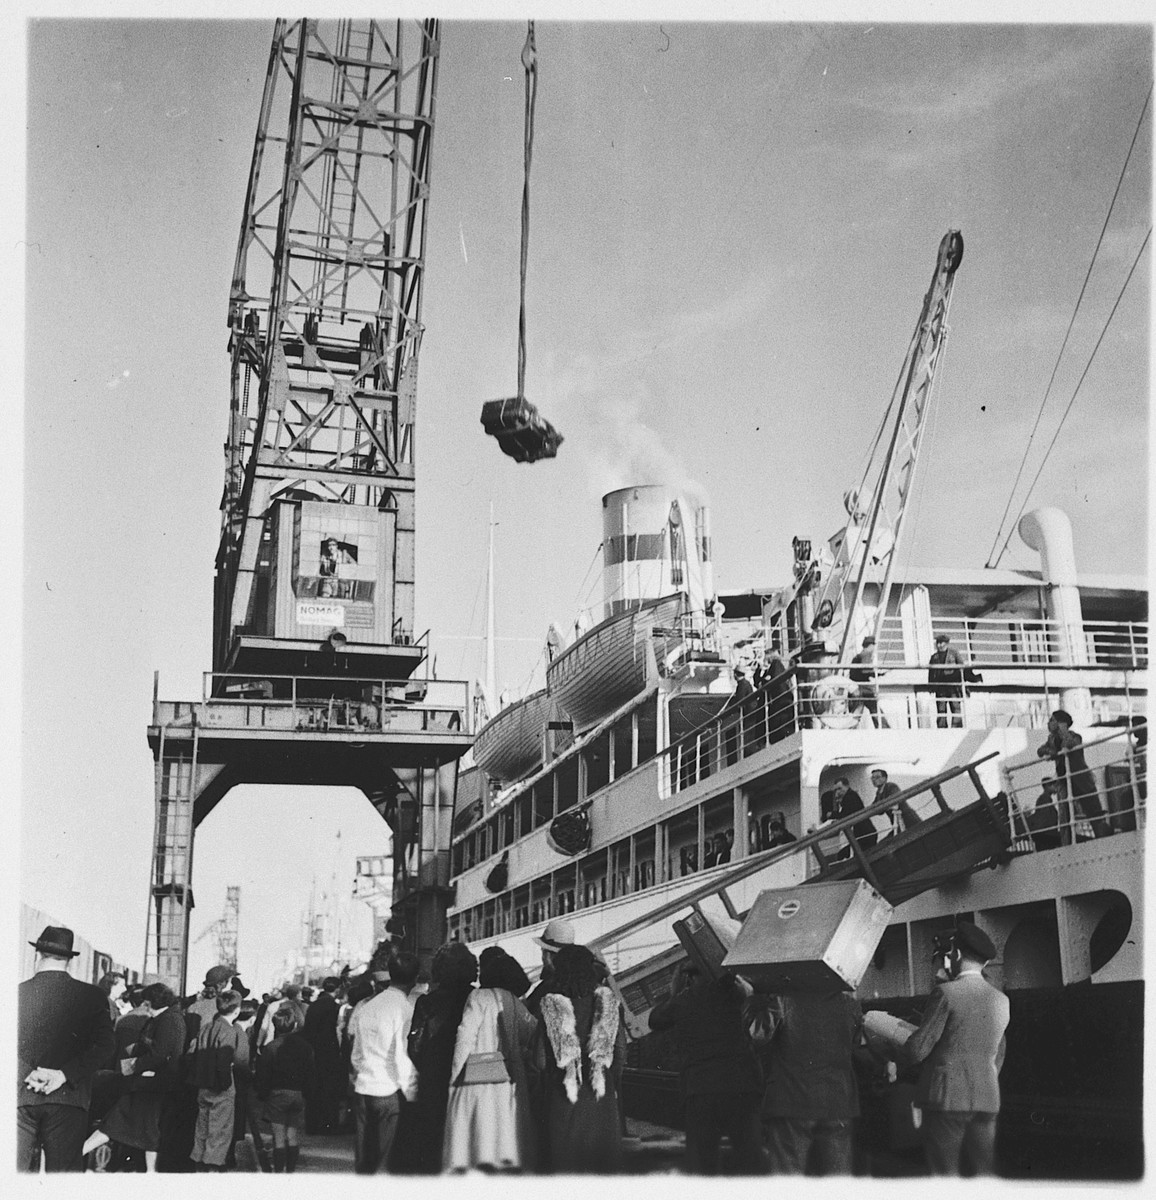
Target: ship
653 784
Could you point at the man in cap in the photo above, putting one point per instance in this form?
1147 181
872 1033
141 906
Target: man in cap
204 1007
945 678
863 675
558 933
961 1043
64 1035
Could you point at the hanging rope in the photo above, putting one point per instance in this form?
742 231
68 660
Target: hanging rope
530 62
1059 356
1075 393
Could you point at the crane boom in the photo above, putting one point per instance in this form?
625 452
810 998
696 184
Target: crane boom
871 535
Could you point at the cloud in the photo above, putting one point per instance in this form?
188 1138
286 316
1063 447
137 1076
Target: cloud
978 87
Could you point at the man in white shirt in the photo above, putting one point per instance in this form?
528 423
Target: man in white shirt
380 1065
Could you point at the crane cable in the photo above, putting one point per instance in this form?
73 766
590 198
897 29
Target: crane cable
1059 356
1083 376
530 62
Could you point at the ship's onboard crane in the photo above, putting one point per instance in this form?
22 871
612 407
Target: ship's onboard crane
876 508
325 306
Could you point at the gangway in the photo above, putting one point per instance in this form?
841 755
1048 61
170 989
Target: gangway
952 843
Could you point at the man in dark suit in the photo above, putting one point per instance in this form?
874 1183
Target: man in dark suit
320 1031
961 1043
719 1077
64 1035
845 801
812 1096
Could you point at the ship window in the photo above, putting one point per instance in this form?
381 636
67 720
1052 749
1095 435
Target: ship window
564 888
567 776
643 860
525 804
544 801
683 855
592 879
719 832
620 868
597 758
623 745
521 906
647 716
459 858
506 825
540 900
488 919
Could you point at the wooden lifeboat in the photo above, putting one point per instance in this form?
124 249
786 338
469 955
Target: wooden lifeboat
611 663
509 745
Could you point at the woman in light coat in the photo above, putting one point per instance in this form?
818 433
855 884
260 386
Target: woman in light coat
488 1123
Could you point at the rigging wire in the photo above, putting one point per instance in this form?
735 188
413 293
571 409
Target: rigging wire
1063 344
580 598
1076 390
530 62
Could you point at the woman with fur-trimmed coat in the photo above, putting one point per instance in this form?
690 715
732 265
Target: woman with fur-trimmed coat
580 1048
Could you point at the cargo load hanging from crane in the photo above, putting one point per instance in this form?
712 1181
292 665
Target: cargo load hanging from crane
522 432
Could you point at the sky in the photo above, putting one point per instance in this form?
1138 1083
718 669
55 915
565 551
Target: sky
732 230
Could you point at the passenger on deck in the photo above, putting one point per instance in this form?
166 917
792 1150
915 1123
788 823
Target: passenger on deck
945 675
777 833
1065 748
845 801
901 816
864 673
734 711
1044 820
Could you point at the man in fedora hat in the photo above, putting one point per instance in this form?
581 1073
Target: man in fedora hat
961 1043
64 1035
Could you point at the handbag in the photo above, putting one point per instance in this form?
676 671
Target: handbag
488 1066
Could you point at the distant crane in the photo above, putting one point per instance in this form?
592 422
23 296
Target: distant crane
224 930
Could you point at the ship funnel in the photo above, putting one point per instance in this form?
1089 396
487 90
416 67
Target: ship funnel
655 542
1049 532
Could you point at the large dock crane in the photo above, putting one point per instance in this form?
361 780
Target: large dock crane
314 648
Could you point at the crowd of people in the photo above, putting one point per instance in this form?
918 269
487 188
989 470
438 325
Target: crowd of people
476 1071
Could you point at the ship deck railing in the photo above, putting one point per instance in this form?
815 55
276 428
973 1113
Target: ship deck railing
1111 798
320 704
822 696
1010 641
